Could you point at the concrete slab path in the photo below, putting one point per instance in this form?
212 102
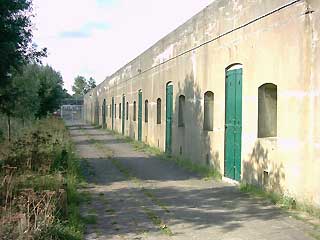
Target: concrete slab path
138 196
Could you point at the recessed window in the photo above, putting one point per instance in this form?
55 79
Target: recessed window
267 110
208 111
119 110
115 110
134 111
127 111
182 102
146 103
158 111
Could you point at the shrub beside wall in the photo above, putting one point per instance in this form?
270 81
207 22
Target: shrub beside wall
37 172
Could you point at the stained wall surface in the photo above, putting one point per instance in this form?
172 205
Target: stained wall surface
275 42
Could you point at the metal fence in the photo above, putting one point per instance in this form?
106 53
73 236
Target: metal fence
73 113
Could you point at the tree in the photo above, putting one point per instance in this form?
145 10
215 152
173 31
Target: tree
34 91
16 47
27 99
80 86
50 91
91 83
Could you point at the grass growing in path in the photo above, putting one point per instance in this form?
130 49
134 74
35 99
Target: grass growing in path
90 219
157 221
282 201
294 208
207 172
127 173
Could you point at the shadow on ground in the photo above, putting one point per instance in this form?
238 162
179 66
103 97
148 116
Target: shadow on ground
193 204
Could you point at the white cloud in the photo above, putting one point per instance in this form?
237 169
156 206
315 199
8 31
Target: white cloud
96 38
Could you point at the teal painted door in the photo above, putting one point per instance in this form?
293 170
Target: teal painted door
233 124
169 111
123 113
140 117
112 113
104 114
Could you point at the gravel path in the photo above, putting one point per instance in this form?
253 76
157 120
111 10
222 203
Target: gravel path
136 196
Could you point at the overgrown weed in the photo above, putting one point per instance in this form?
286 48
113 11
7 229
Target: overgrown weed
281 200
39 177
207 172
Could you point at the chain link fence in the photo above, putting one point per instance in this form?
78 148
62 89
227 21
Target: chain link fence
72 113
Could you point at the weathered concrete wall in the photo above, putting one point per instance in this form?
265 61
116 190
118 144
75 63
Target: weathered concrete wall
274 44
312 183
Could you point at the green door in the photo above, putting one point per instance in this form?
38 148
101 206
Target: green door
233 124
112 112
169 111
104 114
123 112
140 116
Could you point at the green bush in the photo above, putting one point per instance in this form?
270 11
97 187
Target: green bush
41 161
1 135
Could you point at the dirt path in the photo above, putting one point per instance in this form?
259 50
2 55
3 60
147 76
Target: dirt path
135 196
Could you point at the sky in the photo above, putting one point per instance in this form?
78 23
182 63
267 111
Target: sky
95 38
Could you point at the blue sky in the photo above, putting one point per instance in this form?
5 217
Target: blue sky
103 3
96 38
85 31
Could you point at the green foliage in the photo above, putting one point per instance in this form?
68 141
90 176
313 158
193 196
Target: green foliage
25 102
283 201
60 161
16 47
204 171
157 221
43 163
81 85
1 135
259 192
50 90
90 219
91 83
34 91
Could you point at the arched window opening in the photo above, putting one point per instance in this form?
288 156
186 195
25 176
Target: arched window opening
134 111
267 110
119 110
158 111
208 111
146 111
182 102
127 111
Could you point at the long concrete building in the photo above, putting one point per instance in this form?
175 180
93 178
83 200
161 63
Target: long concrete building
236 87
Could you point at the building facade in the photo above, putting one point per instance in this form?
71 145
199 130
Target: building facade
236 87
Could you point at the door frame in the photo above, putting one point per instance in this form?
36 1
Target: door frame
168 128
237 161
104 113
123 113
140 115
112 113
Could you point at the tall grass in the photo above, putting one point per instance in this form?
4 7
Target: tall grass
39 175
